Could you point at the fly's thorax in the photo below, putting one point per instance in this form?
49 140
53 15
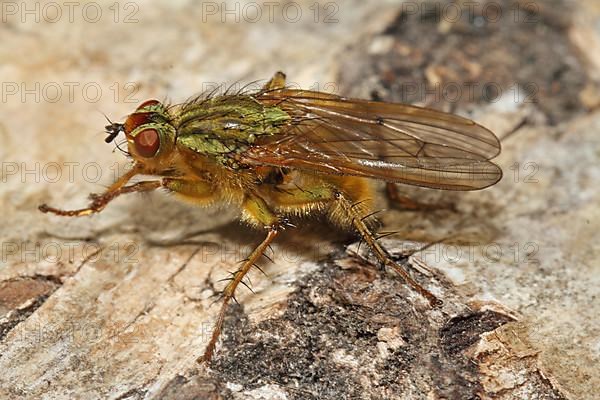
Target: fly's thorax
150 134
224 126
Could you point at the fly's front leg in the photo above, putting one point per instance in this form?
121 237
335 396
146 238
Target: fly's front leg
353 214
257 212
276 82
196 191
99 201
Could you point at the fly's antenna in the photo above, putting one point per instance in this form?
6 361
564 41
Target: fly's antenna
113 129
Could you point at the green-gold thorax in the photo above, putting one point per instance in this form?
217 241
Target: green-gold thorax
226 125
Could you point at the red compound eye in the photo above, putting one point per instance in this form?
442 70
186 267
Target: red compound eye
135 120
147 143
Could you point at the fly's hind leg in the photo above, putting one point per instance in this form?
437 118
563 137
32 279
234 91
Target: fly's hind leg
406 203
255 211
276 82
353 214
346 213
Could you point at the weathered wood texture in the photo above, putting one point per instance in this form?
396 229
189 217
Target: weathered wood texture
120 305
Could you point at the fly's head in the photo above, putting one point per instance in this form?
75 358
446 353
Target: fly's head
149 133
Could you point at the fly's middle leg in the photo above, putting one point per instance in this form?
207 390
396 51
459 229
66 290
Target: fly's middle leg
257 212
229 291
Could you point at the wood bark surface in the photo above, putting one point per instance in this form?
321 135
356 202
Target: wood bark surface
120 305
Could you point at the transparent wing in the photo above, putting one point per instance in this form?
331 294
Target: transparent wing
391 142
